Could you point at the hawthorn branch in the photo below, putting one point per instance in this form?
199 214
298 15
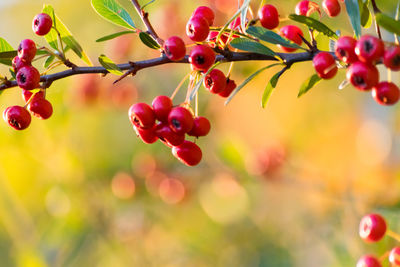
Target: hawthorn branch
133 67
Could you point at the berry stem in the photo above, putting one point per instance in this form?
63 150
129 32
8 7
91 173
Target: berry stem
393 235
179 86
376 11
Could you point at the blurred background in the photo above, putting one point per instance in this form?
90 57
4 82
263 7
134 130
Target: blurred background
281 186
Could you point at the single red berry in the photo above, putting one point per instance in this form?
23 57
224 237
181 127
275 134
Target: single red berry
17 117
180 120
331 7
235 24
292 33
28 78
215 81
142 115
344 49
372 227
41 108
212 38
386 93
41 24
306 8
148 136
368 261
197 29
168 136
269 17
391 58
394 256
202 57
26 95
363 76
325 65
369 48
174 48
27 50
188 153
230 86
201 127
205 12
162 105
17 64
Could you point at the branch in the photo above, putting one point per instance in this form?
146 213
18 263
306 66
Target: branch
376 11
145 18
288 59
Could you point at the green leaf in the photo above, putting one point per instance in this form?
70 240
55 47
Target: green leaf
112 36
112 11
198 84
243 14
65 35
148 3
270 87
366 18
251 46
314 24
48 61
148 40
5 46
353 11
308 84
251 77
271 37
389 23
7 52
396 37
110 66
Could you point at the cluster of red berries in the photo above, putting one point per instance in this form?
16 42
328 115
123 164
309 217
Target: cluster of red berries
306 8
28 78
373 228
170 124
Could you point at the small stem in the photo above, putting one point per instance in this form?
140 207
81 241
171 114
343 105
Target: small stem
384 256
393 235
196 108
179 86
376 11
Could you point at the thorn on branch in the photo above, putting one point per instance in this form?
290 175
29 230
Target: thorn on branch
134 69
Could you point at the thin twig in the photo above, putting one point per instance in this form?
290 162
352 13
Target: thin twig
376 11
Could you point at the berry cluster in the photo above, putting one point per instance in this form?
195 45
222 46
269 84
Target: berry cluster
170 124
28 78
373 228
306 8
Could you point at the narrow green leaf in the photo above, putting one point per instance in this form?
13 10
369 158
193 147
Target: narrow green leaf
308 84
112 36
396 37
148 3
110 66
271 37
314 24
112 11
148 40
270 87
198 84
65 34
7 52
353 11
389 23
48 61
251 46
251 77
366 18
5 46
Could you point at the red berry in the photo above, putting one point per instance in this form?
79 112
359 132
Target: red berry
305 8
197 29
201 127
269 17
168 136
27 50
17 117
394 256
17 64
148 136
230 86
386 93
28 78
205 12
202 57
162 105
215 81
368 261
391 58
180 120
235 24
142 115
41 108
26 95
325 65
363 76
41 24
344 49
174 48
369 49
331 7
188 153
292 33
372 228
212 38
